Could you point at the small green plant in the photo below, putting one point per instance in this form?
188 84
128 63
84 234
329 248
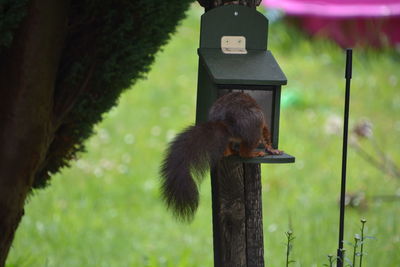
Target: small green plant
358 246
331 261
355 247
363 221
289 246
359 241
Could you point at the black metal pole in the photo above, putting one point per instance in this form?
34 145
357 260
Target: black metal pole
340 254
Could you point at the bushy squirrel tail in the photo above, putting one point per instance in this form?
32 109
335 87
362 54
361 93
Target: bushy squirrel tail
187 159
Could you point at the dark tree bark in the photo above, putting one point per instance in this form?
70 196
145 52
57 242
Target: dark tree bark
27 75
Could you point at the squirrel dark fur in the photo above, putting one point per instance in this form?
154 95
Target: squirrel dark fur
236 126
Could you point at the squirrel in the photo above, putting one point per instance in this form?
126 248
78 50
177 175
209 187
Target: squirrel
236 126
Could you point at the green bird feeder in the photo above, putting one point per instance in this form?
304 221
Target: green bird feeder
233 56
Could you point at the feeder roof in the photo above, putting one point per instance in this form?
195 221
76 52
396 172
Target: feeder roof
257 67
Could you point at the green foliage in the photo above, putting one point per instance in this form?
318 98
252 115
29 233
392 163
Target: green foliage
11 14
109 46
289 247
331 261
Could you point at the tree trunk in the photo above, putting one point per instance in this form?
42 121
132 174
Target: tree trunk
27 75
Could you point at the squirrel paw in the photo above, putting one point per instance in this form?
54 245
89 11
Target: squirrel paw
273 151
251 154
258 154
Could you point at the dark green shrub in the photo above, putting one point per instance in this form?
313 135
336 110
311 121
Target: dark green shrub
110 44
11 14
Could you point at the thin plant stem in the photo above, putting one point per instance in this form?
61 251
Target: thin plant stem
344 256
289 235
363 221
391 170
287 255
330 257
388 163
355 246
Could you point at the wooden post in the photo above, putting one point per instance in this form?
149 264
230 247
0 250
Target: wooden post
237 214
228 214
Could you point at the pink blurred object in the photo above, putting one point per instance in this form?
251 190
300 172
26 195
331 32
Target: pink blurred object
349 23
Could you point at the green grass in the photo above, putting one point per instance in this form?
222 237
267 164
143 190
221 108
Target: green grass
106 210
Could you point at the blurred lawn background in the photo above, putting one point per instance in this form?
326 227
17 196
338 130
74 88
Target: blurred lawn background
106 210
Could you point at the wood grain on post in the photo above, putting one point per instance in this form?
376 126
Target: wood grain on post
237 214
228 214
253 210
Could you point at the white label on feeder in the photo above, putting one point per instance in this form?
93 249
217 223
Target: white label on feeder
233 45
